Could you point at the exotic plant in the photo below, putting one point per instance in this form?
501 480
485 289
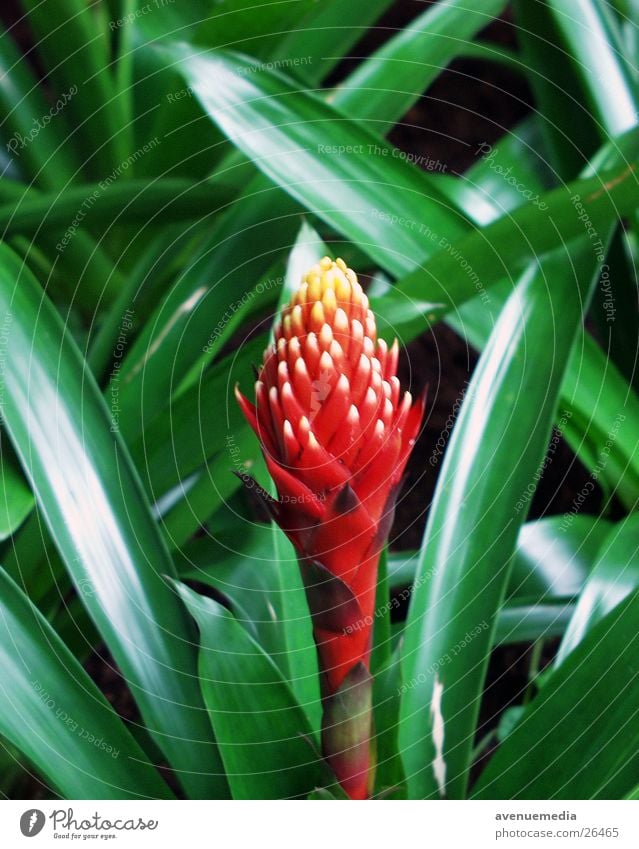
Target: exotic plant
168 173
336 433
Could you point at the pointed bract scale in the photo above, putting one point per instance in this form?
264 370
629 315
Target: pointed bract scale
312 354
317 319
360 380
357 341
302 384
333 411
391 360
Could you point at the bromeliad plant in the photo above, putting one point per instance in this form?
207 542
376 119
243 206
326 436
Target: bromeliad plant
336 435
157 163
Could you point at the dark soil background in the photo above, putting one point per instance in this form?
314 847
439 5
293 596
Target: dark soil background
471 102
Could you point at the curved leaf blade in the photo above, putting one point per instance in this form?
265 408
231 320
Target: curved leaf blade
264 737
91 499
52 711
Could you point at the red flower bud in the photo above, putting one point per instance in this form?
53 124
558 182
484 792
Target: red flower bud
336 433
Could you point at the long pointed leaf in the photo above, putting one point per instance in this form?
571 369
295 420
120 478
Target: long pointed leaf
93 504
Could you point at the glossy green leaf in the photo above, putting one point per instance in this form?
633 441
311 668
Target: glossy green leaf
424 47
263 734
93 113
585 30
496 250
473 523
16 499
103 204
52 711
552 559
324 36
389 773
593 393
92 502
614 577
338 169
524 623
261 113
578 738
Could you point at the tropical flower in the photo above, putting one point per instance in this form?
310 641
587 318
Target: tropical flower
336 433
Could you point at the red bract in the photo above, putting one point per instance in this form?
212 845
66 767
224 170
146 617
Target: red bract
336 433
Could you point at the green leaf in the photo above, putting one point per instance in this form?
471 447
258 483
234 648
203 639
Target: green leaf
338 169
264 116
92 502
16 499
74 53
263 734
459 270
52 711
497 444
519 622
552 560
410 61
614 577
324 36
586 32
104 204
389 771
578 738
